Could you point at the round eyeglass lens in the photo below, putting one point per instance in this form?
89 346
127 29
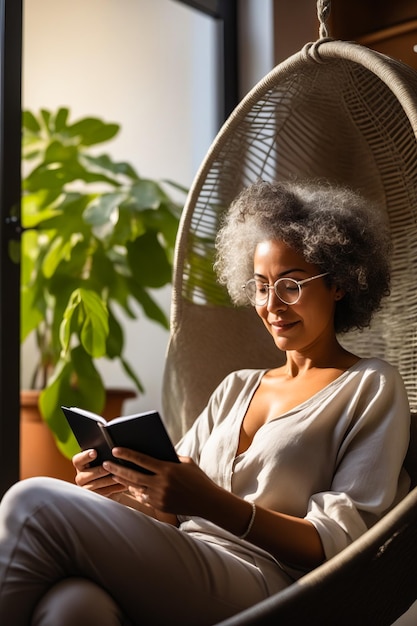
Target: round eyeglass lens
257 292
288 290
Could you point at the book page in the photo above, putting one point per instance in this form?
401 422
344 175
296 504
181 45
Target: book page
126 418
90 414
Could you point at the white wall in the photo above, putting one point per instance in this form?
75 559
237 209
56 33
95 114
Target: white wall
149 65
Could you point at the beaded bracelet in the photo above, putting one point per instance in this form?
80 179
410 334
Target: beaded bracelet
252 519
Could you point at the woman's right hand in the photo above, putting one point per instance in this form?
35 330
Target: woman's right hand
95 478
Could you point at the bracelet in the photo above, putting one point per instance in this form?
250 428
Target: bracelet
252 519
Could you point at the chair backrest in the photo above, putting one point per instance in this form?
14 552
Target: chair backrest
335 110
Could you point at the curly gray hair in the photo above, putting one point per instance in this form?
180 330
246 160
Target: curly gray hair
331 227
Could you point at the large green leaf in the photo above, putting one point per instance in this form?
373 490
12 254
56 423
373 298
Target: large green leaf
86 315
146 194
45 177
45 119
163 221
30 317
102 209
151 309
59 250
64 214
61 118
91 131
58 152
39 206
29 122
115 338
120 291
129 226
51 399
148 261
75 382
104 162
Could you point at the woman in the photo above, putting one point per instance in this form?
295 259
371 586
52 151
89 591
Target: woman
282 470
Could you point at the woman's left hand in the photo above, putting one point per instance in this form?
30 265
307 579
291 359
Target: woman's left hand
176 488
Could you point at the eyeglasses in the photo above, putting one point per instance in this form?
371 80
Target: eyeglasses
288 290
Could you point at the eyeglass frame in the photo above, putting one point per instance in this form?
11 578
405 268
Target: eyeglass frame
299 284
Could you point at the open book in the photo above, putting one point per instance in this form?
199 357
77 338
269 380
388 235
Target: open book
142 432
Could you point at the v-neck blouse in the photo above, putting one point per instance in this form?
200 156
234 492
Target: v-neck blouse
335 459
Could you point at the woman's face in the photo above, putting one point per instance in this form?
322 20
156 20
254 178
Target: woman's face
306 324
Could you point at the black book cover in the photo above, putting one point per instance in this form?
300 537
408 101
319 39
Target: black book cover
142 432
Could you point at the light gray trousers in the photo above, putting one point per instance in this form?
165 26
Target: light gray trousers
71 557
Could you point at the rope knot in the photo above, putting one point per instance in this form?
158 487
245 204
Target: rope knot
323 12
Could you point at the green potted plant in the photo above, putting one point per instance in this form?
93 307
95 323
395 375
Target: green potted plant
97 239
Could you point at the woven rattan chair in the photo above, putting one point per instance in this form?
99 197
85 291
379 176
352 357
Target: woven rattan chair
334 110
339 111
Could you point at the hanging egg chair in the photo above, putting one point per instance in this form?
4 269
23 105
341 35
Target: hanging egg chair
341 112
336 111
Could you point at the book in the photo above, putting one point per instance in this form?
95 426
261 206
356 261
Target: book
142 432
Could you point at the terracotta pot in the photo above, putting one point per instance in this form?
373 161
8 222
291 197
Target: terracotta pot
39 455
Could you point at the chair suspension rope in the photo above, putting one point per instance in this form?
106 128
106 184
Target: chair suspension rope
323 12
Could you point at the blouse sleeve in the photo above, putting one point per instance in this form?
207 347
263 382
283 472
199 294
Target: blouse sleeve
368 478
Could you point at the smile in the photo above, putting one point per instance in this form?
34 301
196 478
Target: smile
282 326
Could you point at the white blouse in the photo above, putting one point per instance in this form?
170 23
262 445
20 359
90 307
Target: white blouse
335 460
